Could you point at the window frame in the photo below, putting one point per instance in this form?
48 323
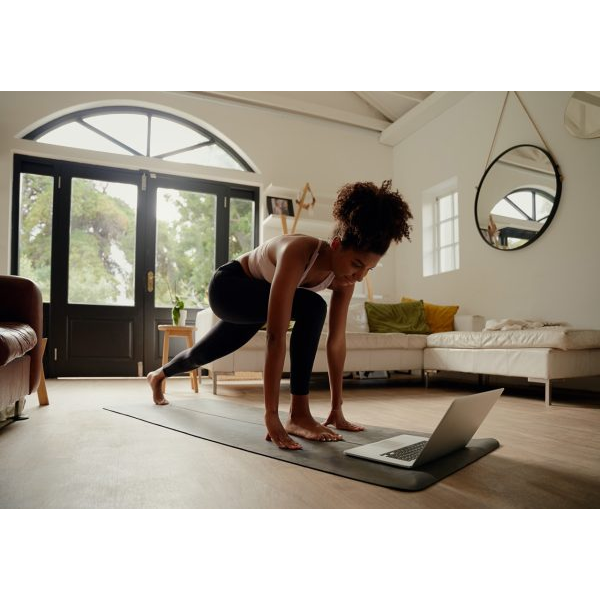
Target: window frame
437 227
78 116
431 227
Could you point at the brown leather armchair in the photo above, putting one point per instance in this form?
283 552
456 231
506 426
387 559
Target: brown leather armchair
20 343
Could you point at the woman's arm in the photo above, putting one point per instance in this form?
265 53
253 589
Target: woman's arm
336 355
336 341
291 258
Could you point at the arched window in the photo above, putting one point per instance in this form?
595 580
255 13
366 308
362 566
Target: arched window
525 204
521 214
136 131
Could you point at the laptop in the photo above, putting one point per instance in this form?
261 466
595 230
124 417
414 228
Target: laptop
454 431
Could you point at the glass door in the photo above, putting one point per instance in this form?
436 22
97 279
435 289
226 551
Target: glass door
111 248
194 226
96 301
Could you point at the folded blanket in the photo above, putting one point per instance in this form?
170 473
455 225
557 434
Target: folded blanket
510 324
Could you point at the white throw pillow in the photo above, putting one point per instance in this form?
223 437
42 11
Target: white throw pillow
357 317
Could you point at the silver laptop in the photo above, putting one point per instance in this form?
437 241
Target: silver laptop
454 431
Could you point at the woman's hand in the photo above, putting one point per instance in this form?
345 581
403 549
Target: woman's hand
278 435
337 419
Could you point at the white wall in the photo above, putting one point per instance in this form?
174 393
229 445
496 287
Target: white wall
556 277
287 150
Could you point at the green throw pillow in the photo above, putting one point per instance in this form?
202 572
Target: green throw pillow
405 317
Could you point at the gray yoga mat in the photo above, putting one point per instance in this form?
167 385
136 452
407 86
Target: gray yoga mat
242 427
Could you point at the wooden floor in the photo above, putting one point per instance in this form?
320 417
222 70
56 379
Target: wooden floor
73 454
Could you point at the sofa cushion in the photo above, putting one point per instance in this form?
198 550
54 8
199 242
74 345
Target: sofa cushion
14 385
404 317
562 338
357 341
16 339
391 341
438 317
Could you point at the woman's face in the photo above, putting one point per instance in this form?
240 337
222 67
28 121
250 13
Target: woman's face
350 266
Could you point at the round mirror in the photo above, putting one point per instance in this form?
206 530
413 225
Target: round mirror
582 115
517 197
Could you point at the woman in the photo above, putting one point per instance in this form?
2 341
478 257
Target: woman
277 283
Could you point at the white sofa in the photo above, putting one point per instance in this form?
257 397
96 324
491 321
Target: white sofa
543 355
364 351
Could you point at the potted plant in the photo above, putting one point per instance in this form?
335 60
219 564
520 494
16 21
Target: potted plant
178 313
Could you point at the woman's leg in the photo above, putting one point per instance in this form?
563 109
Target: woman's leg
242 304
308 311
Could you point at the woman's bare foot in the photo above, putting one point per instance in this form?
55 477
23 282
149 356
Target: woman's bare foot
302 423
155 379
337 419
305 426
277 434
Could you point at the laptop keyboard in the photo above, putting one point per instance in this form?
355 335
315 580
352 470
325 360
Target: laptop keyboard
407 453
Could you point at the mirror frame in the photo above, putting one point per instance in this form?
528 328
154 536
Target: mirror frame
558 178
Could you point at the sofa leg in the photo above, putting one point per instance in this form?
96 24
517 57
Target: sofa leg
19 408
547 388
427 373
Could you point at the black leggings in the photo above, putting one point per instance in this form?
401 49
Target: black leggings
241 303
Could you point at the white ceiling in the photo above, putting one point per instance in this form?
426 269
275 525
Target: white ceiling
369 110
394 115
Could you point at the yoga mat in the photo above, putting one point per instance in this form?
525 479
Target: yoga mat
242 427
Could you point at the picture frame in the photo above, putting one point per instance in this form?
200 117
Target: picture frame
280 206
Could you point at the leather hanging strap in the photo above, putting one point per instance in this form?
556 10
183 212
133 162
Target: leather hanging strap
500 120
487 162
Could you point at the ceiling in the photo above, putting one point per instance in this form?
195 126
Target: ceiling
370 110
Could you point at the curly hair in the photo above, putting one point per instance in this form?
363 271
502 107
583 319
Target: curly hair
370 217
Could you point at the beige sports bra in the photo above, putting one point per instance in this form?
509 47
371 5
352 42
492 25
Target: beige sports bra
261 267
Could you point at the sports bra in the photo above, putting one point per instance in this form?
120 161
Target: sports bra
261 267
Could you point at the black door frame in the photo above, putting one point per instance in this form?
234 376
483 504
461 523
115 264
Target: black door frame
145 341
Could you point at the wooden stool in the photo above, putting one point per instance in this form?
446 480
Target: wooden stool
42 393
184 331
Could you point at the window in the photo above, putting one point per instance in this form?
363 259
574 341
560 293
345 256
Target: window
446 238
135 131
36 196
440 230
520 215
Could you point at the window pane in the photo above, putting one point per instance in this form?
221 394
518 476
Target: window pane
445 205
76 135
504 209
524 201
241 227
131 129
168 136
446 259
446 230
210 156
35 230
543 207
185 246
102 242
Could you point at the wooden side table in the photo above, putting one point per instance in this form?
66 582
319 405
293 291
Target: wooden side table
184 331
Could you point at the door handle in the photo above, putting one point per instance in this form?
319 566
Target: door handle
150 281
